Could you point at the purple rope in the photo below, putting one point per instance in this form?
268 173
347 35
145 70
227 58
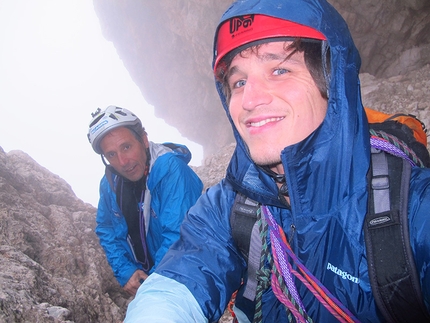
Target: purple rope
285 266
272 226
384 145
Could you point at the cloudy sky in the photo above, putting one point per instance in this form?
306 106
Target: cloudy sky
55 69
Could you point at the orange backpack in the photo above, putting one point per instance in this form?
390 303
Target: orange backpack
403 130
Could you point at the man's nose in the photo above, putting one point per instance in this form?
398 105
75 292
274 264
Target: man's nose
255 93
122 159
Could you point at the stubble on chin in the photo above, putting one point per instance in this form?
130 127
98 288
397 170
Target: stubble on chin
267 159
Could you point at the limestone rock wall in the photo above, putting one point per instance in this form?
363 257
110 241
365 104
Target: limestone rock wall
166 47
52 268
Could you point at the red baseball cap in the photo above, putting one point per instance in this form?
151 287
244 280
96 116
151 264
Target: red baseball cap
241 30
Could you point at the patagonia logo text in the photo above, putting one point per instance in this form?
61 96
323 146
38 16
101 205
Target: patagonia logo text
241 22
342 273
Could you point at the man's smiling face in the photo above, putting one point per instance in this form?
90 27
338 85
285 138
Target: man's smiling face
274 100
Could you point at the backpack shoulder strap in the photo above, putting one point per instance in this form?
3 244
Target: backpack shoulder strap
392 272
246 235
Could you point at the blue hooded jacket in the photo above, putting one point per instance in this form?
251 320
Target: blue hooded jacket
172 188
326 178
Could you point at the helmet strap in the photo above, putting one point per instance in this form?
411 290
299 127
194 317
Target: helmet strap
148 162
103 160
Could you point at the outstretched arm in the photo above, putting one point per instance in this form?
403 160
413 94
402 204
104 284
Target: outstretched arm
164 300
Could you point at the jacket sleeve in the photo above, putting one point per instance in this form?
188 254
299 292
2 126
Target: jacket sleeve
174 189
177 305
204 260
419 227
112 232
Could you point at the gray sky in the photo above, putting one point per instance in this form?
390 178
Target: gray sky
55 69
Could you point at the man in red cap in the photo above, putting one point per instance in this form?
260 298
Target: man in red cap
287 75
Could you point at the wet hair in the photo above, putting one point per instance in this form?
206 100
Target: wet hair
313 56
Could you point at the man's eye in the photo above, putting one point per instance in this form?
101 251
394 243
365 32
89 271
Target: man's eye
280 71
127 147
239 84
110 155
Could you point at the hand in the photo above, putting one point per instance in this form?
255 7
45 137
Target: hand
135 281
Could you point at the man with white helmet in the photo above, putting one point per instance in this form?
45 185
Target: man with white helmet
145 192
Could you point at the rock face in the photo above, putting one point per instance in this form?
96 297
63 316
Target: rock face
52 268
166 46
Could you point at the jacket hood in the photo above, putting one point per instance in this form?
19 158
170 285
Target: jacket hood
333 161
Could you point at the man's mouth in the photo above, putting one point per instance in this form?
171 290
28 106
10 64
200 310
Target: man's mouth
129 170
263 122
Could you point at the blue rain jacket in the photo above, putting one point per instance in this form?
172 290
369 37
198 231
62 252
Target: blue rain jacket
172 188
326 178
